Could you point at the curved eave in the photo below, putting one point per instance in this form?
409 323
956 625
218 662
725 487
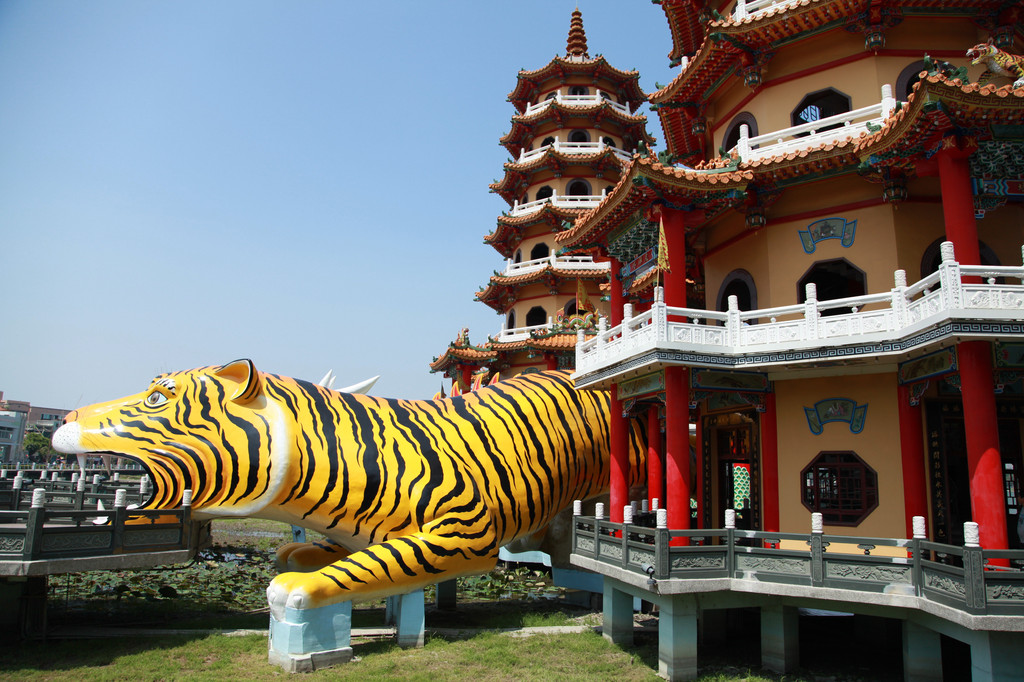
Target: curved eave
644 181
508 188
685 26
556 342
523 126
465 355
509 231
527 84
936 106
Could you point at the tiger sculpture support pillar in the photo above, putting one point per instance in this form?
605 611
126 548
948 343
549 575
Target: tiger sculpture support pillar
305 640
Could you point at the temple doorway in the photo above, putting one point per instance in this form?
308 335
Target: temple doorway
731 469
948 472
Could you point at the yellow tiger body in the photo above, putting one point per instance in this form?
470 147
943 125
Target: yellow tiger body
412 492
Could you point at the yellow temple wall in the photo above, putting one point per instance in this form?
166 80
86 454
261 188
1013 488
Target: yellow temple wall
878 445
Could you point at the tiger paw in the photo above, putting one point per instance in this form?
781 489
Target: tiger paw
303 591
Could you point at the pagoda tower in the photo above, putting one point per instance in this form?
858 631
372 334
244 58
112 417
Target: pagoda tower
574 130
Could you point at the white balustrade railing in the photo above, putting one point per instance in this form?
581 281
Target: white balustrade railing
576 100
561 201
749 8
573 148
880 317
521 333
561 262
785 141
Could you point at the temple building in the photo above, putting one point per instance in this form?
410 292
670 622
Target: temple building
821 276
574 130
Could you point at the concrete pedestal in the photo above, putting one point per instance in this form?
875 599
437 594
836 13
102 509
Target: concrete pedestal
922 653
677 637
409 619
997 656
780 638
311 639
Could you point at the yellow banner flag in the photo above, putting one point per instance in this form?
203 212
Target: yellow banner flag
663 265
582 300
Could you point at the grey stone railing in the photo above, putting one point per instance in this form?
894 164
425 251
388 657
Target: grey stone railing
75 492
966 578
42 533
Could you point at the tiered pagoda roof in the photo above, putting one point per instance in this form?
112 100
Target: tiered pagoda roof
509 232
501 291
518 173
939 109
634 127
742 46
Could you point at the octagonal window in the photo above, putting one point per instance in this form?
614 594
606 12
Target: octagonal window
840 486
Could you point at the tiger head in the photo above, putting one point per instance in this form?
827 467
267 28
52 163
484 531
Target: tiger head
982 52
211 430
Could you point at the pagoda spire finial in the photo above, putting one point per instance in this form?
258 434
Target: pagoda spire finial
576 46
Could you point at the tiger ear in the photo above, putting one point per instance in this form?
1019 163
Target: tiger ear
244 373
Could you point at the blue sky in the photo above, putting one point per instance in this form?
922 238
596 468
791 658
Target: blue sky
301 183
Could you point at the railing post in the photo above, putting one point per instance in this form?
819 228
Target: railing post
888 101
741 10
974 568
659 316
120 516
662 564
915 553
34 525
598 518
186 518
627 317
811 310
19 483
743 146
627 520
80 494
949 278
732 323
730 540
898 301
817 551
557 141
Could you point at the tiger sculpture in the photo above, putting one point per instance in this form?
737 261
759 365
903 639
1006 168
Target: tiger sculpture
409 492
997 63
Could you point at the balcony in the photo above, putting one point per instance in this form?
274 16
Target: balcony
559 201
576 100
522 333
962 584
948 303
579 263
573 148
814 134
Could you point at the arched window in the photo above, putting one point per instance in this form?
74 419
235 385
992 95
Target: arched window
836 278
544 192
740 284
519 256
609 189
510 321
579 90
608 141
579 188
525 198
579 136
547 141
821 104
933 256
605 95
540 250
905 81
536 316
570 308
551 95
732 132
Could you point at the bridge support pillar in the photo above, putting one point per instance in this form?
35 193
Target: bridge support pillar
311 639
922 653
780 638
677 637
617 624
997 656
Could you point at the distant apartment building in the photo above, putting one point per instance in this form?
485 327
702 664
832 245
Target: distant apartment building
18 417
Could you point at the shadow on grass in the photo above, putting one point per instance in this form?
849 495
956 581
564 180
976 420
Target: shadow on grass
71 654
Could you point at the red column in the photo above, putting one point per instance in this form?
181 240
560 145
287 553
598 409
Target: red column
988 505
654 462
915 500
677 446
552 360
618 488
984 464
770 464
465 378
675 238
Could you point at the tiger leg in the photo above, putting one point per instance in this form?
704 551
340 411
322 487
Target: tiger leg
395 566
308 556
